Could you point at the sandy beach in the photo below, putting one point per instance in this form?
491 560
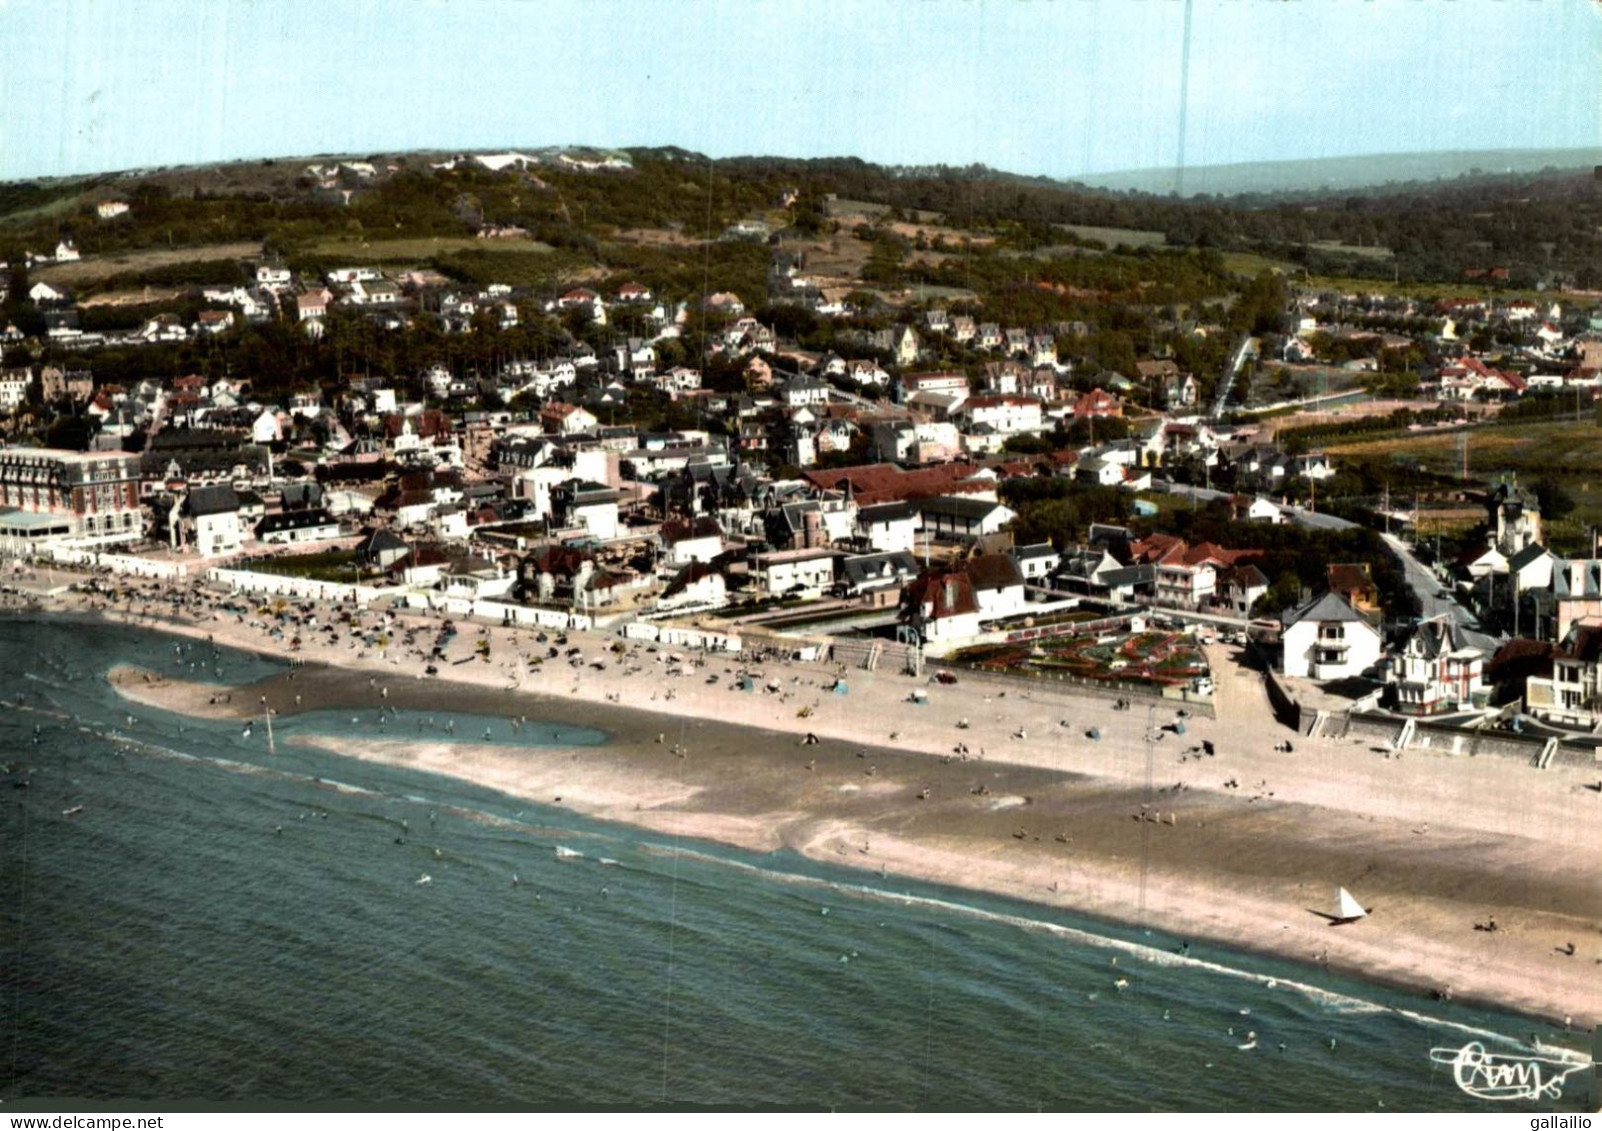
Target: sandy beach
1242 847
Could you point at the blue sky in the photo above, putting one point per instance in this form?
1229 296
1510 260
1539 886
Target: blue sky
1057 87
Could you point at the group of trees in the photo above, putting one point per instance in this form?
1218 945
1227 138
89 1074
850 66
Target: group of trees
1060 511
1295 557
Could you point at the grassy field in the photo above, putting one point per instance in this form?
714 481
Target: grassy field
1552 447
843 209
58 207
1250 263
93 269
1361 251
416 250
326 565
1112 237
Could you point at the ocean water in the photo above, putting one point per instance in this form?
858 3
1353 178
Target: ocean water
221 924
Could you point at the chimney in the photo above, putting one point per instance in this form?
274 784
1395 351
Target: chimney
951 591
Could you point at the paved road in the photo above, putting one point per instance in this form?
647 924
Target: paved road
1248 348
1300 514
1424 583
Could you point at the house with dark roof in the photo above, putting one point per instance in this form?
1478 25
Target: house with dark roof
1081 569
313 525
940 608
301 496
594 506
945 607
1531 568
554 572
888 527
1036 561
381 549
877 577
695 540
1436 667
209 521
1355 582
1515 518
698 585
1325 638
1576 592
1571 695
962 518
998 585
1240 587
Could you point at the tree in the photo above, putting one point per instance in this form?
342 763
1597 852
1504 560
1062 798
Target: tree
1029 444
72 432
1286 593
1556 502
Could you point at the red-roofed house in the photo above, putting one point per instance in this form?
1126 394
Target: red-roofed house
946 607
1467 376
567 419
1186 575
578 296
215 321
887 483
1097 402
312 304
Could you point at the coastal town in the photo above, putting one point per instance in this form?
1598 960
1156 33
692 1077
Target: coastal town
1005 536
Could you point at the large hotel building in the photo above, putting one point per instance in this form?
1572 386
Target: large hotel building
48 495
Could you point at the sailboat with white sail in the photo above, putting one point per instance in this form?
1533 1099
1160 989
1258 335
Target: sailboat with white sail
1347 909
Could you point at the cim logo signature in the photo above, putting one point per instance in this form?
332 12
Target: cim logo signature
1494 1076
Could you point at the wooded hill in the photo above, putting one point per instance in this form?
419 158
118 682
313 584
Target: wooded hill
1542 228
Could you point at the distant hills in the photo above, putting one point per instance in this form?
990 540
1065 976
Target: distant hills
1370 174
1335 174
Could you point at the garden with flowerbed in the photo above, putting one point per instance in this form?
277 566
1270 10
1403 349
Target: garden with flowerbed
1155 658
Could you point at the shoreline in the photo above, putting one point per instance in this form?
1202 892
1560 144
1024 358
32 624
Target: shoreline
1246 868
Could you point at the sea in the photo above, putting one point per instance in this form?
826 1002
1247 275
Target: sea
188 917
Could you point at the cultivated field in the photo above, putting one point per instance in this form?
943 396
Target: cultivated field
417 250
133 298
655 237
1555 448
1270 426
842 209
1112 237
92 269
1567 452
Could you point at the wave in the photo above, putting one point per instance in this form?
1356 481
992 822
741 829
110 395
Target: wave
1330 1001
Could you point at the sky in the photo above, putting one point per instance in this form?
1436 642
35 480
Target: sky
1053 87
